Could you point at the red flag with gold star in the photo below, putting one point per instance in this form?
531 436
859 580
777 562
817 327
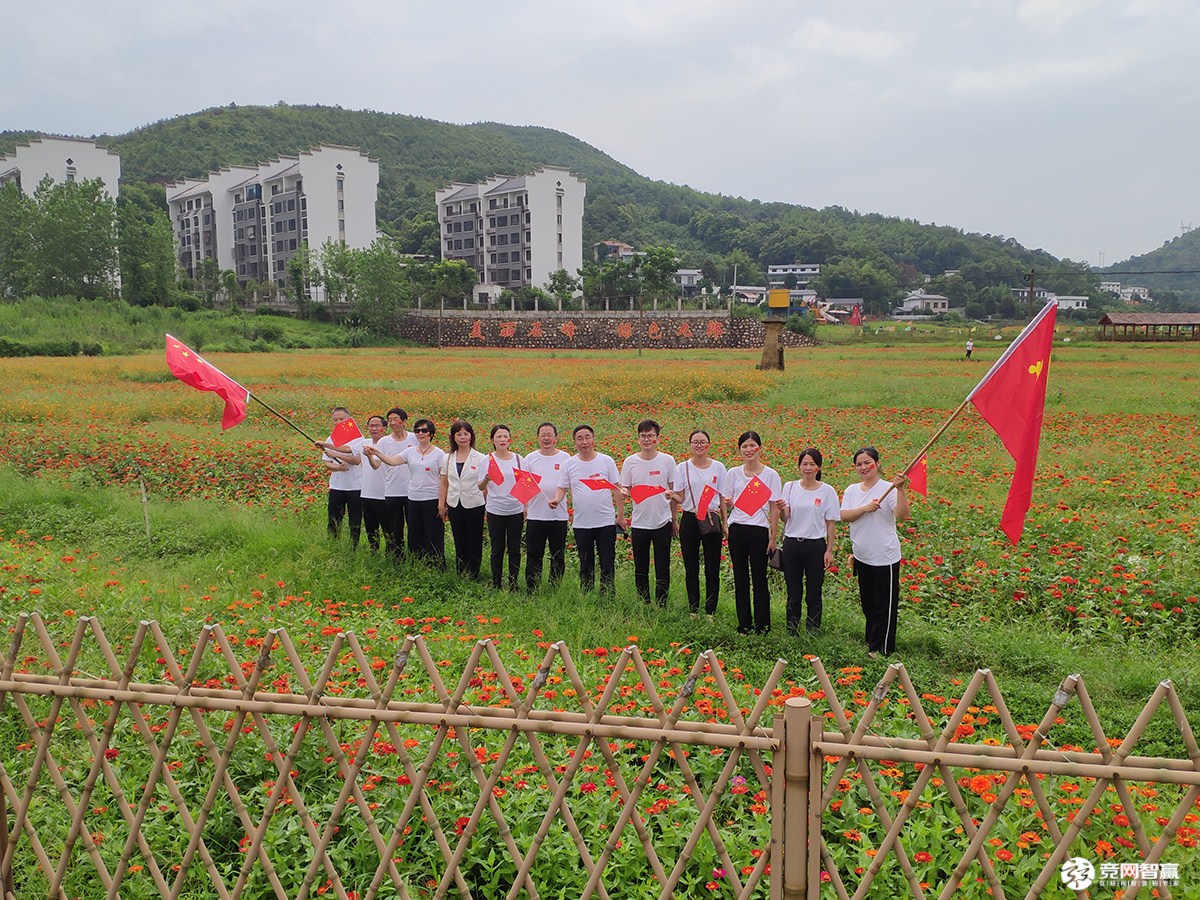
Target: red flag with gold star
193 369
1012 398
526 486
918 477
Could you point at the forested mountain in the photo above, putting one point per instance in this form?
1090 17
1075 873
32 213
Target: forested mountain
1171 272
866 253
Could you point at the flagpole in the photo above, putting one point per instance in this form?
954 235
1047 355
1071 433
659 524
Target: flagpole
975 390
280 416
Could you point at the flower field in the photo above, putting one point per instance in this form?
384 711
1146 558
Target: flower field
1104 583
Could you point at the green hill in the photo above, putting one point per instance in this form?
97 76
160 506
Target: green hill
1170 272
418 155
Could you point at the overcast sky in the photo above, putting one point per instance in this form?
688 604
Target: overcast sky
1067 124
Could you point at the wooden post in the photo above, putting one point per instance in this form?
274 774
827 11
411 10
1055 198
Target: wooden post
6 883
790 799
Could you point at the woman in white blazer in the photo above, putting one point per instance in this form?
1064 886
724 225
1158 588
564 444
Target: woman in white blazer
462 500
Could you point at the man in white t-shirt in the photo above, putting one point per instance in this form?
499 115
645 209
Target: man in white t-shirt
345 479
648 477
545 525
597 510
395 478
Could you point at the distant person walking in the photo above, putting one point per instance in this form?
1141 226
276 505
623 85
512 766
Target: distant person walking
970 347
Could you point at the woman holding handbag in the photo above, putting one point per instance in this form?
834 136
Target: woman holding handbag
698 482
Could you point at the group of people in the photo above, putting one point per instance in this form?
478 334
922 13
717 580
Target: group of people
394 478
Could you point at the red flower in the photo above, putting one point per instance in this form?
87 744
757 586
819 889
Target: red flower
588 787
112 753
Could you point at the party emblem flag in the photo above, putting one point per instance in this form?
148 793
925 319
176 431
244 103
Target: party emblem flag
752 499
598 484
495 473
526 487
345 432
918 476
642 492
707 496
193 369
1012 398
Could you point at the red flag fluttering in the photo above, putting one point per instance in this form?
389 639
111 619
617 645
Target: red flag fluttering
193 369
344 432
753 497
642 492
918 476
1012 398
598 484
526 487
707 496
495 473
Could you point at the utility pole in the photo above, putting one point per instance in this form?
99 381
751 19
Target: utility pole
1029 277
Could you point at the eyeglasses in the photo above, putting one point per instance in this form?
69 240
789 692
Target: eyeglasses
420 431
700 443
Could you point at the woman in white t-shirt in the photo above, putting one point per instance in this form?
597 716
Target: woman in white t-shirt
873 508
810 509
692 477
426 530
752 492
505 513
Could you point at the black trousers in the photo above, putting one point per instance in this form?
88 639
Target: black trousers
397 510
804 564
691 542
748 554
538 534
466 527
341 503
593 543
375 520
426 531
643 540
504 533
879 592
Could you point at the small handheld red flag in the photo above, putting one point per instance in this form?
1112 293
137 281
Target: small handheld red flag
598 484
918 476
754 497
193 369
1012 398
345 432
641 492
495 473
526 487
707 496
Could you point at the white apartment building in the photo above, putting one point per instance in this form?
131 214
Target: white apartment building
804 272
254 219
514 231
63 159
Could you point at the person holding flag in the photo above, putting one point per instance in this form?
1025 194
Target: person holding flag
374 487
505 513
342 458
461 499
702 524
809 510
426 531
873 507
545 525
597 506
647 478
754 492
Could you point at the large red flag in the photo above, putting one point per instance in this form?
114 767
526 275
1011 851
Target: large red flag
598 484
753 497
1012 398
193 369
642 492
526 487
918 477
707 496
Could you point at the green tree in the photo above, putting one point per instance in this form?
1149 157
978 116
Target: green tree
656 271
16 216
380 286
334 266
73 240
147 250
563 285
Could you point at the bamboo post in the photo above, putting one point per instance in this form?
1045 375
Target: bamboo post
6 882
145 504
791 796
